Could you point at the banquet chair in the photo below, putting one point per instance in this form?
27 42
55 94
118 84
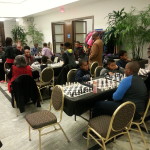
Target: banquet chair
71 75
140 122
104 128
92 68
46 79
97 71
45 118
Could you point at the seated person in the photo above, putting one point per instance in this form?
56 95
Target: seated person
83 73
111 68
132 88
29 59
35 50
19 68
123 59
44 62
78 51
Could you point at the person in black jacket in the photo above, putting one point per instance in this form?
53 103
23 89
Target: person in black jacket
9 52
78 51
83 73
68 55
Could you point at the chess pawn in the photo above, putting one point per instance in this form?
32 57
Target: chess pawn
94 86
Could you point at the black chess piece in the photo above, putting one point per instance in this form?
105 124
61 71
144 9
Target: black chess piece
102 83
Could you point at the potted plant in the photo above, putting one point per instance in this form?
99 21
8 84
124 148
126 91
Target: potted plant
111 37
18 34
35 34
134 31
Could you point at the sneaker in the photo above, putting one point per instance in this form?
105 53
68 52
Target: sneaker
84 134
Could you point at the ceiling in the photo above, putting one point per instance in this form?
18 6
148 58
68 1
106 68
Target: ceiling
22 8
12 1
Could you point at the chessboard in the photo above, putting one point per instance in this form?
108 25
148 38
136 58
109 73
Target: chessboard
116 77
76 89
104 83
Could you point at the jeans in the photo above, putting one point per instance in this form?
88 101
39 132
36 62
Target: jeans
105 108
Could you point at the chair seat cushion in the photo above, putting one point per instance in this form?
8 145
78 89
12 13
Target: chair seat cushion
100 124
40 119
42 84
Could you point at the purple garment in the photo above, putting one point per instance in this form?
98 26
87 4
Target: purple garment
47 52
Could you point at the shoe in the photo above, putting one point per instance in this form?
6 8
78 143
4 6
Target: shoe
84 134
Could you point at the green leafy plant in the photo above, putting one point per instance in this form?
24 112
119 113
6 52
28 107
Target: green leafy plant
114 18
35 34
18 34
134 30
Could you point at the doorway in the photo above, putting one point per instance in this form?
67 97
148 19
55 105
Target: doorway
71 31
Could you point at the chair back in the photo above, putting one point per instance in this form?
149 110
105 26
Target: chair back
97 71
57 99
146 111
122 118
92 68
23 90
71 75
47 74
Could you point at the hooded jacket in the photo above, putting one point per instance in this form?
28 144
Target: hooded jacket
68 57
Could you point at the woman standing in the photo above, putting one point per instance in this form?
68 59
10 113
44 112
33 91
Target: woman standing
9 52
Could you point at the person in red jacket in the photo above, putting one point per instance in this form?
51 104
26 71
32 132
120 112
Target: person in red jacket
19 68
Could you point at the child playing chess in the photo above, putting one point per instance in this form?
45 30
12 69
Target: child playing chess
123 59
83 73
111 68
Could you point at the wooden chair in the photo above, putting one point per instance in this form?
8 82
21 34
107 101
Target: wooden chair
92 68
97 71
46 79
71 75
104 128
44 119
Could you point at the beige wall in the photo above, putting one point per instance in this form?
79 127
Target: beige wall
97 8
8 26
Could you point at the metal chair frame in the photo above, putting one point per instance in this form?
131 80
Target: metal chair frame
68 75
50 85
142 121
54 124
102 140
91 67
96 70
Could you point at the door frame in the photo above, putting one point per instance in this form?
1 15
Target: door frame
53 34
63 22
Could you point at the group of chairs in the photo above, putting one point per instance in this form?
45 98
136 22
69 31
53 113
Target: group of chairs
101 129
94 71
